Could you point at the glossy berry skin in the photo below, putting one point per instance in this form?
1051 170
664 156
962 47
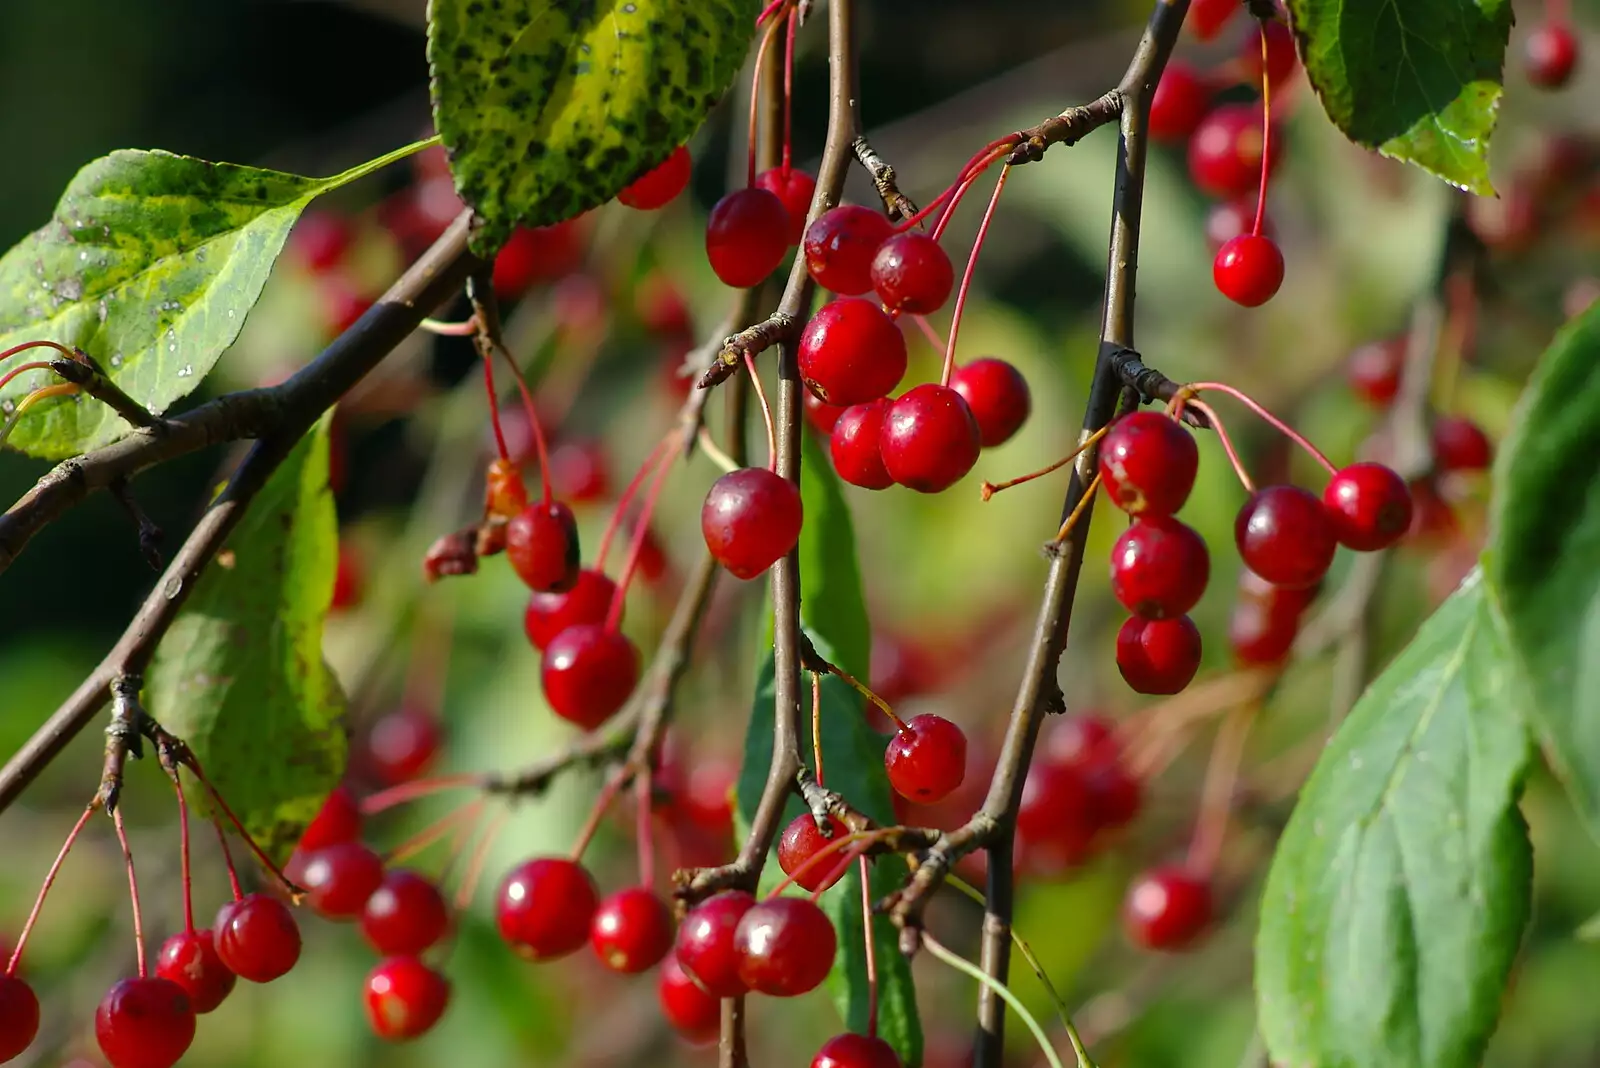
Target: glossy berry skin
747 236
855 1051
1207 18
794 188
751 519
144 1023
531 254
1248 270
801 841
1159 567
404 998
631 930
1286 536
1460 445
1370 506
822 416
588 673
1265 620
840 245
548 614
338 820
19 1017
851 352
1158 656
854 445
705 943
340 878
911 273
998 396
189 958
405 915
403 745
693 1013
1281 58
786 947
1056 822
1226 149
1166 909
257 938
544 907
1148 463
1550 54
1374 371
930 439
542 545
1181 100
927 760
659 186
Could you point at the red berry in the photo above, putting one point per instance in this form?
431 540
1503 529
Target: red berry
693 1013
819 413
912 274
1229 219
751 519
998 396
839 248
548 614
1265 621
1166 908
1225 151
1158 656
320 239
747 237
794 188
19 1017
1248 270
189 958
348 580
1181 100
786 947
588 673
1056 822
705 943
339 879
631 930
1208 17
1433 521
854 445
405 998
403 744
1374 371
257 938
578 471
1370 506
701 791
1159 567
851 352
338 820
1148 463
1460 445
801 841
659 186
1281 59
927 760
544 907
406 914
661 307
1286 536
1081 741
929 438
1550 54
342 303
855 1051
536 254
1115 796
144 1023
542 545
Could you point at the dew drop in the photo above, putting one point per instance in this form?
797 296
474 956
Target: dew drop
186 370
83 255
230 313
8 406
116 359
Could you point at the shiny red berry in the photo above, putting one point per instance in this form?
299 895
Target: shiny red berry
693 1013
405 915
631 930
794 188
1248 270
19 1017
349 580
1265 620
588 673
927 760
403 744
1226 149
786 947
257 938
998 396
751 519
1286 536
851 352
534 254
705 943
840 245
320 240
747 236
338 820
339 878
912 274
1056 822
404 998
1148 462
548 614
1549 55
544 907
144 1023
1159 567
801 841
1166 909
1181 100
1460 445
542 545
1208 17
1281 58
1158 656
822 416
929 438
854 445
578 471
659 186
855 1051
189 958
1370 506
1374 371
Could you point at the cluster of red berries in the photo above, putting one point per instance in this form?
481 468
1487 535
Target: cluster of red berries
1078 794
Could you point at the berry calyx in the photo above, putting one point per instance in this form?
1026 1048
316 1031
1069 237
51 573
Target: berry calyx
403 744
544 907
929 438
794 188
747 236
1226 150
912 274
786 947
1158 656
1286 536
1166 909
1180 102
998 396
339 878
404 998
542 545
588 673
1159 567
1248 270
855 1051
854 445
257 938
851 352
1148 463
1460 445
338 820
1374 371
927 760
1370 506
659 186
189 958
840 245
751 519
1550 54
144 1023
705 943
631 930
548 614
19 1017
405 915
801 841
693 1013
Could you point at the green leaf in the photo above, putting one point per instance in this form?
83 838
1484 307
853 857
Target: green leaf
550 107
1543 561
835 618
150 265
240 675
1419 80
1400 887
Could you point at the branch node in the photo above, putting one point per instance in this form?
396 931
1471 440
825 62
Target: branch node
150 535
1067 128
896 203
85 373
752 341
122 737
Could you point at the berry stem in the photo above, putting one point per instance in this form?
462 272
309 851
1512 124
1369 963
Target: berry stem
856 852
644 828
383 800
768 11
989 489
966 277
816 723
762 55
22 368
1266 132
975 166
714 453
1216 796
1197 387
40 344
435 831
630 491
928 331
49 881
183 849
636 546
227 859
133 891
1227 443
479 858
249 840
871 949
61 389
766 412
602 802
534 423
1078 510
788 96
494 409
970 969
865 691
